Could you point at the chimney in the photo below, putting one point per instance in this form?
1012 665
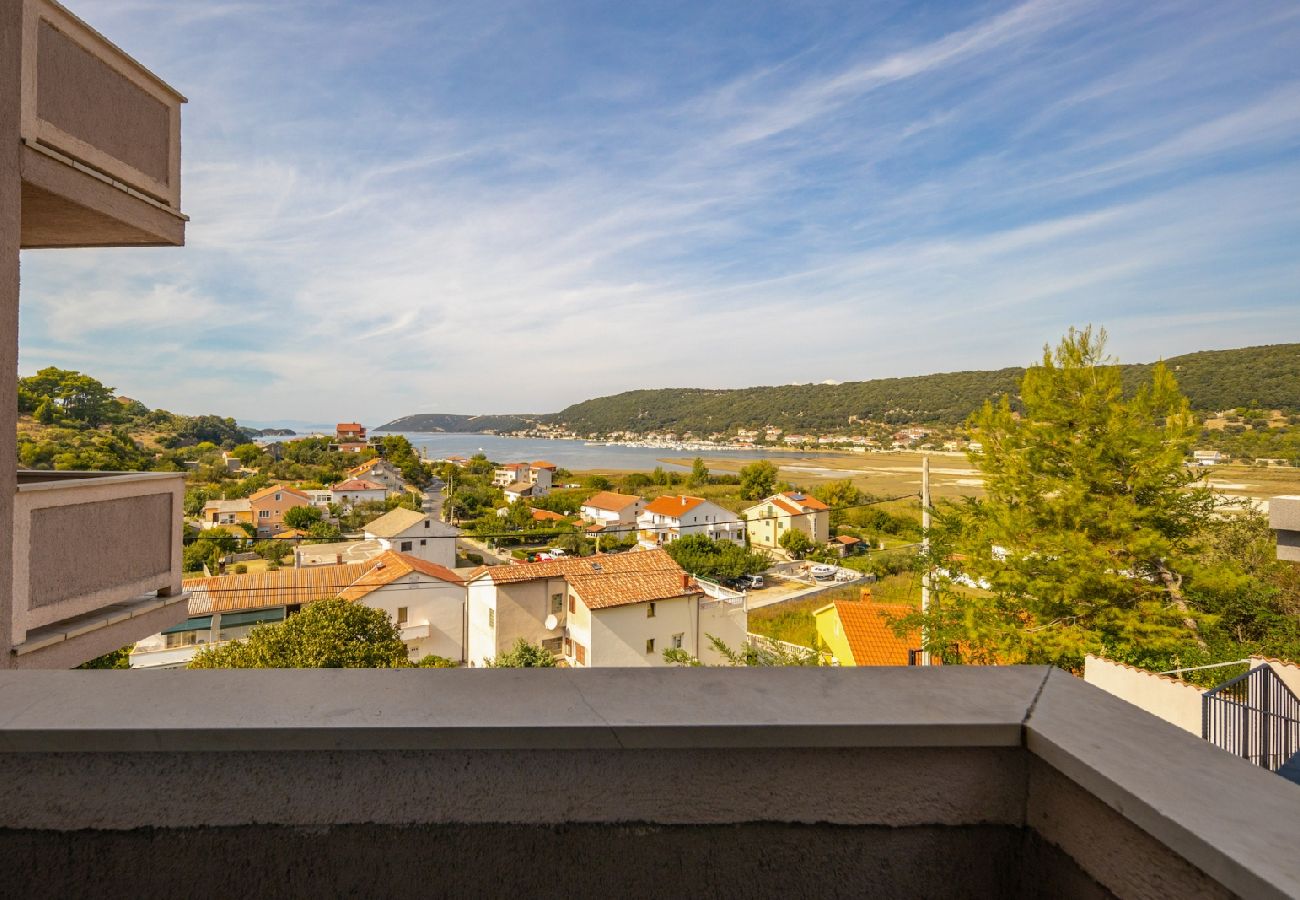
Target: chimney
686 581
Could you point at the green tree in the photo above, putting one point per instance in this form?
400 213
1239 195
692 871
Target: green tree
1090 525
699 474
758 480
797 543
327 634
523 655
716 560
115 659
303 517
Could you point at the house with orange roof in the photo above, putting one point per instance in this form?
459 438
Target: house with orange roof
597 611
859 633
771 519
612 510
357 490
270 504
672 516
426 602
350 432
525 479
380 471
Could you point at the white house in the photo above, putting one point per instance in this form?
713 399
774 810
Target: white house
380 471
672 516
1207 457
417 534
357 490
426 601
320 498
621 610
525 479
613 511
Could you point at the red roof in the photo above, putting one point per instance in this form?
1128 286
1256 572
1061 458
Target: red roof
605 581
545 515
358 484
673 505
610 501
848 540
543 464
807 501
388 567
348 426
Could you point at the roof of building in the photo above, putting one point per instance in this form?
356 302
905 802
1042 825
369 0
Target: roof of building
598 526
276 489
228 506
366 466
673 505
848 540
519 487
607 580
611 501
348 426
394 522
543 464
256 590
807 501
545 515
389 567
358 484
871 640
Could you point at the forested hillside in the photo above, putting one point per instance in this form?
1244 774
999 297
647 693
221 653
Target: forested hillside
1256 377
433 422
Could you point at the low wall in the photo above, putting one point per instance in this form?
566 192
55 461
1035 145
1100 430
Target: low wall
1177 702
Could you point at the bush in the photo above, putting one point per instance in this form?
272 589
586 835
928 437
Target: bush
475 559
241 568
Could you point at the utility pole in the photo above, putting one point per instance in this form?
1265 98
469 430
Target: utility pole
925 552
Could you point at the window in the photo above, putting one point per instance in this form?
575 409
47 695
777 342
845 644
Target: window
423 542
277 498
407 545
677 640
650 646
580 653
426 525
264 514
568 647
557 604
492 618
573 603
649 610
402 613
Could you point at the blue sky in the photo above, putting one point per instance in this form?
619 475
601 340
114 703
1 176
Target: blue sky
403 207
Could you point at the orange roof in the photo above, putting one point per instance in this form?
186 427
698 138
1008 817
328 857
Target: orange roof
848 539
807 501
366 466
348 426
787 507
871 640
389 566
673 505
543 464
256 590
611 501
545 515
274 489
357 484
605 581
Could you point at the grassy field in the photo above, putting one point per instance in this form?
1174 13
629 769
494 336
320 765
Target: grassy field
793 621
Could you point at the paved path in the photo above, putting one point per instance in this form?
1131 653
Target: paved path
757 600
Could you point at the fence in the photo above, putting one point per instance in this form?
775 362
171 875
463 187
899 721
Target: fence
1254 716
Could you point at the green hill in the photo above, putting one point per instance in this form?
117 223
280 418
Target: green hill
1259 377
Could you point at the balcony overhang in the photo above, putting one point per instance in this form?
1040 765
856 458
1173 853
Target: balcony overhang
954 780
101 140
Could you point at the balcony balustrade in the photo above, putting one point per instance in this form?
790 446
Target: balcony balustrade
94 552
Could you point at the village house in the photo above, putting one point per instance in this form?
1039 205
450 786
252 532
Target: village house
219 513
859 633
357 490
380 471
623 611
612 511
768 520
672 516
415 533
426 602
321 498
270 504
525 479
350 432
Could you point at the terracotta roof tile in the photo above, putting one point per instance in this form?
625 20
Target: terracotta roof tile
357 484
388 567
545 515
256 590
394 522
605 581
807 501
610 500
871 639
673 505
273 489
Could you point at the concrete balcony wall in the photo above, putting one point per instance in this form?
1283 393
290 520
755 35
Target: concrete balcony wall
1284 518
100 139
858 782
90 550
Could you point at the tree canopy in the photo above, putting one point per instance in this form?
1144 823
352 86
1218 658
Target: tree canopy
715 560
327 634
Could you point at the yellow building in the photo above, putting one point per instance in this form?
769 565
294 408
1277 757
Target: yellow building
770 519
858 633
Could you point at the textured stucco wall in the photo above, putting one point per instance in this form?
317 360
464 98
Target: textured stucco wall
10 231
624 861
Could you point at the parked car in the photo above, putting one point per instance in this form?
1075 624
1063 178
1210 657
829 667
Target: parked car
750 582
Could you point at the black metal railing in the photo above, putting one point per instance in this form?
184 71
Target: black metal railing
1254 716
